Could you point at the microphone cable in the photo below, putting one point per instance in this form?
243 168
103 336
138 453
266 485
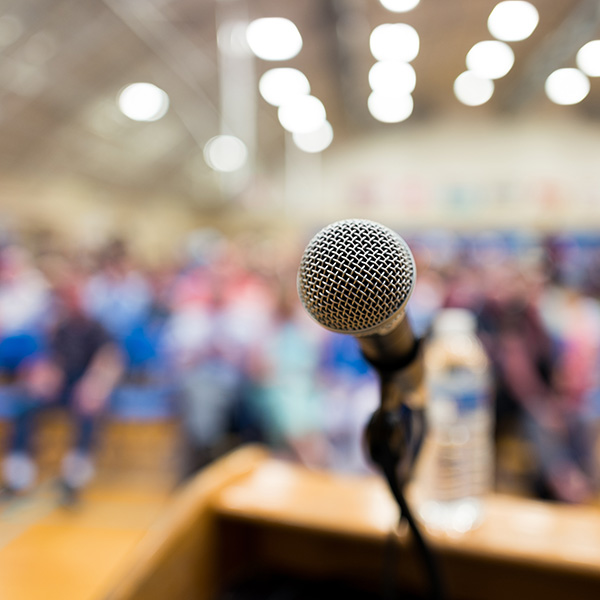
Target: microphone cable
387 461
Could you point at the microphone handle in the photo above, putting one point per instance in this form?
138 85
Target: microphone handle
391 346
397 356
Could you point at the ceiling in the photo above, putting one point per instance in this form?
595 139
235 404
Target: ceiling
63 62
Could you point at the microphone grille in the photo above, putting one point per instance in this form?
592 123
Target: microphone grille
355 275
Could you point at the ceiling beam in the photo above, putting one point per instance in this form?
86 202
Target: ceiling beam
350 27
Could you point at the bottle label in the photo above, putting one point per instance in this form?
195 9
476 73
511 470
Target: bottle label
465 389
460 431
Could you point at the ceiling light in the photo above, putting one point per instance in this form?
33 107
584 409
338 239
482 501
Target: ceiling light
397 41
274 38
225 153
143 102
399 5
390 109
490 59
392 77
278 86
472 90
567 86
513 20
315 141
588 58
302 114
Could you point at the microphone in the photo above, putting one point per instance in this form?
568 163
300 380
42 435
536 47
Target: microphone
356 277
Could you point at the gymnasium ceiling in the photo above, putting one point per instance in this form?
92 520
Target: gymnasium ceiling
63 62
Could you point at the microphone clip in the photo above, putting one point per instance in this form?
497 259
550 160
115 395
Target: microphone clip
396 436
396 429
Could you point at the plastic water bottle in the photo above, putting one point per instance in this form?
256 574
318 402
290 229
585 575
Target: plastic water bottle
458 456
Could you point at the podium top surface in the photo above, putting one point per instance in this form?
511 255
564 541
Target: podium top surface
514 529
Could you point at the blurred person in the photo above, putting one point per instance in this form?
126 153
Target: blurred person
77 371
144 345
117 295
190 296
24 300
574 321
428 295
350 396
524 362
510 321
287 393
24 303
573 318
463 283
219 309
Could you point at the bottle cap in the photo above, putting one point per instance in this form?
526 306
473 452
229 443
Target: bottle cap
455 320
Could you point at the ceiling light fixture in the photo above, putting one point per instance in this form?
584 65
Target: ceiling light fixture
278 86
225 153
390 109
567 86
513 21
392 77
274 38
143 102
399 6
588 58
315 141
302 114
490 59
397 41
472 90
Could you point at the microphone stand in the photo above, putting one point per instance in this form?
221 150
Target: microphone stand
394 436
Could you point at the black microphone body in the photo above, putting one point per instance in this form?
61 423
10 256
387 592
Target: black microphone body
397 358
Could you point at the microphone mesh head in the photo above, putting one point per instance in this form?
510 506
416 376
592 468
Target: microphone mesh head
355 276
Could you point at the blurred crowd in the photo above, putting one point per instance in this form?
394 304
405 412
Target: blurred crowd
214 339
220 339
536 303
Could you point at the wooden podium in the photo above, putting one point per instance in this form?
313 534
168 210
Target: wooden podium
250 513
